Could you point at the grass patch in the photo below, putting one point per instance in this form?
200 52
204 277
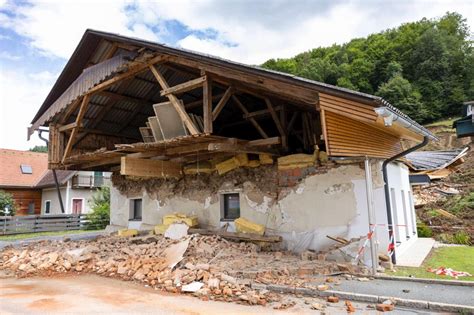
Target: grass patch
459 258
25 236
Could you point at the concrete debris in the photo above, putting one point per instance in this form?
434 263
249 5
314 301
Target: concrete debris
177 231
174 253
209 267
192 287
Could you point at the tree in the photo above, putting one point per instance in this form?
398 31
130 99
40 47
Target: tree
6 201
399 91
99 218
39 148
432 59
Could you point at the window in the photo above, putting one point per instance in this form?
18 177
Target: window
31 207
230 206
26 169
135 209
47 206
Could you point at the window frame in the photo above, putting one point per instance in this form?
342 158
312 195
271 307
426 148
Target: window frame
132 212
26 169
47 202
224 206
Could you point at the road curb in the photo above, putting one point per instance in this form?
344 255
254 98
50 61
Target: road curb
368 298
421 280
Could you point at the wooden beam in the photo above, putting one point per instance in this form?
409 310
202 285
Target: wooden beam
131 71
273 85
237 236
264 142
237 148
69 110
325 132
149 168
67 127
222 102
174 101
184 87
198 103
252 120
292 121
80 115
274 116
207 105
261 112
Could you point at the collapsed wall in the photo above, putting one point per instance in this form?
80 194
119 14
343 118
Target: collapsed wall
302 204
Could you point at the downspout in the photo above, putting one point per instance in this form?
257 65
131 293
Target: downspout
58 190
426 139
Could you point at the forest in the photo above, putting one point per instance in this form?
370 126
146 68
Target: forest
424 68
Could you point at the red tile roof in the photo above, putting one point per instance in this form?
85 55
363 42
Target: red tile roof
10 171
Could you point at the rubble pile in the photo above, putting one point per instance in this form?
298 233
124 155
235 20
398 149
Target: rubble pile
207 266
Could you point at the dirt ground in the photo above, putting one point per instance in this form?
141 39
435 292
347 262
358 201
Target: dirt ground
93 294
86 294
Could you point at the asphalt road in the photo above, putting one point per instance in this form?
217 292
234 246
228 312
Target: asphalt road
452 294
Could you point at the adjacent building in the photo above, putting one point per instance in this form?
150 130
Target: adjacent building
19 173
25 175
196 134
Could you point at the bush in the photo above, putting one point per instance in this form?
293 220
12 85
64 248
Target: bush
99 218
6 200
462 238
424 230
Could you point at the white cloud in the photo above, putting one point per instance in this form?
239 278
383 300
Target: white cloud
257 29
9 56
21 94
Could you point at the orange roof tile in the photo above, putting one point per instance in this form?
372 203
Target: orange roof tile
10 170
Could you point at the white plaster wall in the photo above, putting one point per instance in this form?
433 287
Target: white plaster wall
334 203
51 194
398 179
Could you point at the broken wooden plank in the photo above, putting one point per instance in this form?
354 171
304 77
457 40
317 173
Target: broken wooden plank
238 236
264 142
149 168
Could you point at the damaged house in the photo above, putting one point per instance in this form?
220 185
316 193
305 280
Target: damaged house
189 133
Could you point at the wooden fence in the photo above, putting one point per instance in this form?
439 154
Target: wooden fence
42 223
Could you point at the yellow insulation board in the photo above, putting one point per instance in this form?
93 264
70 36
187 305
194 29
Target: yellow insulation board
191 221
299 160
161 228
265 159
243 225
128 232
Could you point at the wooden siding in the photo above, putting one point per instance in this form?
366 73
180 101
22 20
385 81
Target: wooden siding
23 197
345 107
349 137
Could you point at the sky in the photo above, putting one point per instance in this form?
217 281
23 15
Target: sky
38 37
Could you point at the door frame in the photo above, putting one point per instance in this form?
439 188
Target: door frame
82 205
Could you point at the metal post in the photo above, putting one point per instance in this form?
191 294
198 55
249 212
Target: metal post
371 212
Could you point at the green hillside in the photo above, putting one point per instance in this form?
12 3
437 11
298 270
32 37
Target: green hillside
425 68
